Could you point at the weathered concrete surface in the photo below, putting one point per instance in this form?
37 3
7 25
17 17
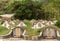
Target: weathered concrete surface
16 39
49 40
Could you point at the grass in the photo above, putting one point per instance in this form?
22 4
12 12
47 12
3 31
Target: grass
3 30
0 22
33 32
30 31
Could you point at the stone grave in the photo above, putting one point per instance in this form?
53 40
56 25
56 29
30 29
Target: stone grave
49 33
6 24
21 24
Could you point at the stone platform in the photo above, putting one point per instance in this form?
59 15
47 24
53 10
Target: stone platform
18 39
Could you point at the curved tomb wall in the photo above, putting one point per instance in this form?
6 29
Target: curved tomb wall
17 32
49 33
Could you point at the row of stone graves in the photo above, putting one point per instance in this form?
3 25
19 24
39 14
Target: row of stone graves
36 24
43 23
47 33
19 32
11 24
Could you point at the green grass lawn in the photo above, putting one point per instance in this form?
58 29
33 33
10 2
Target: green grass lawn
3 30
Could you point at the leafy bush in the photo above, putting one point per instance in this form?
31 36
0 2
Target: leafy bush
58 23
26 10
28 23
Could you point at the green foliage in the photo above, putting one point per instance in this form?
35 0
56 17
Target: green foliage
1 22
30 31
58 23
3 4
2 12
3 30
52 7
30 10
28 23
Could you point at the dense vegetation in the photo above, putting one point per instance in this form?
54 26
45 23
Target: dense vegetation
58 23
31 9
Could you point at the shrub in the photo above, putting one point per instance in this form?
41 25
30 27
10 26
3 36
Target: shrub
58 23
28 23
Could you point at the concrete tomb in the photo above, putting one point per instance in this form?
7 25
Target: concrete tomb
6 24
49 33
21 24
38 25
18 31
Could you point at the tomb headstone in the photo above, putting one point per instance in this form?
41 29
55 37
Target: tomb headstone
49 33
6 24
49 23
35 26
21 24
40 24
